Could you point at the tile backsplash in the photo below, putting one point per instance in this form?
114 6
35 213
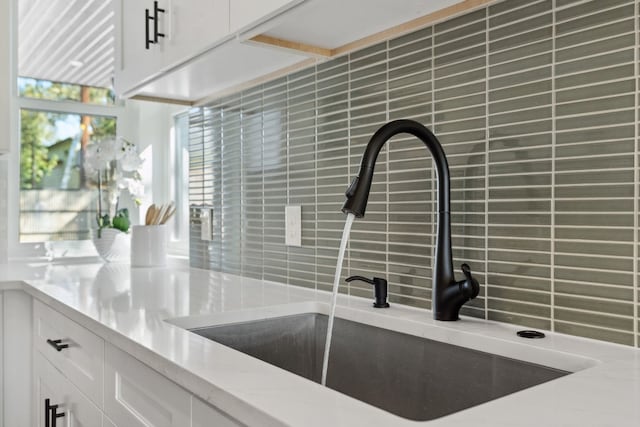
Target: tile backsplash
536 105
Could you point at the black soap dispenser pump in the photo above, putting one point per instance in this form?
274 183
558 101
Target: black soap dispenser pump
380 289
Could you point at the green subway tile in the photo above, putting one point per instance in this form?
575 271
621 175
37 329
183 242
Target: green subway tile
608 162
594 332
531 322
599 205
520 116
595 33
528 25
595 19
601 263
597 134
596 90
416 35
521 295
591 77
520 91
509 55
460 55
595 220
523 38
587 8
523 180
519 257
518 308
519 231
600 61
622 293
521 13
464 42
593 319
520 141
460 21
594 276
568 192
601 233
468 77
530 283
594 48
520 78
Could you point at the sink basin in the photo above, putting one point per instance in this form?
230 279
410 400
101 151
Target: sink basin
413 377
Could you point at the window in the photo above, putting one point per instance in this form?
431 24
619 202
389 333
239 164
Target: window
58 121
179 187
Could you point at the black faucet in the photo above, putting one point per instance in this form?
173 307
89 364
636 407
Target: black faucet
448 294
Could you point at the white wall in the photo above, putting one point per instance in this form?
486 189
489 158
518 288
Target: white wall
6 38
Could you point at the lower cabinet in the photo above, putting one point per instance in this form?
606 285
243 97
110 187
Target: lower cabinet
67 390
137 396
59 403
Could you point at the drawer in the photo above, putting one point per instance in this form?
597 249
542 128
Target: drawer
204 415
52 388
82 362
137 396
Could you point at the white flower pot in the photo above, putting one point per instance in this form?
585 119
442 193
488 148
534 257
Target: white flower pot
112 245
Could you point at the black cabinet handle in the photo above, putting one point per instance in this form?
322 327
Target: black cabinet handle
156 33
155 18
147 41
51 414
57 344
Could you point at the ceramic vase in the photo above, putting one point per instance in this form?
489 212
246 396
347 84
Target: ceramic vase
112 245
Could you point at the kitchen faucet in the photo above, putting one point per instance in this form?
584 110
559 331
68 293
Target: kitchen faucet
448 295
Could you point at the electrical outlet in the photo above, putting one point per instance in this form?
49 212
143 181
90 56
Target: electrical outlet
205 224
293 225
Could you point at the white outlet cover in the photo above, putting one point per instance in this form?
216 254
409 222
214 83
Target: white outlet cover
205 224
293 225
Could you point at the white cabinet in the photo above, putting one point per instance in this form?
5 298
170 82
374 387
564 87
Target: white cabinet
247 13
154 36
76 351
137 396
58 402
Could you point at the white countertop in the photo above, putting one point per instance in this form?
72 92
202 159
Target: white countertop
128 308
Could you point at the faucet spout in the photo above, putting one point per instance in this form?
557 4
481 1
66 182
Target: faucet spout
448 295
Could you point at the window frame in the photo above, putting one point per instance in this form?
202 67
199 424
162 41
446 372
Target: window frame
53 249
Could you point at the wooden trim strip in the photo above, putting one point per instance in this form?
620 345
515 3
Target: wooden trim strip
163 100
292 45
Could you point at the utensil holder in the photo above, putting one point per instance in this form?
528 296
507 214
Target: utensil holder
148 246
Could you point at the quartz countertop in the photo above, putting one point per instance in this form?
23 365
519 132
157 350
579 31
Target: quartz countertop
144 312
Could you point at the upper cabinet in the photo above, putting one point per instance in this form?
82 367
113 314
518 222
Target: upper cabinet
188 50
155 36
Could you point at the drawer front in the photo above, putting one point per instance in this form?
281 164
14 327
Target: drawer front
137 396
208 416
51 385
82 362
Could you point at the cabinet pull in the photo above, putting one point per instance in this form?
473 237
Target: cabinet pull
51 414
156 33
147 41
57 344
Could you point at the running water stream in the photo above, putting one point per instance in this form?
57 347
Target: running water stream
334 298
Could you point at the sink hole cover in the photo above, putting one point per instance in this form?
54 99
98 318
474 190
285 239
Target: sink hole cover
531 334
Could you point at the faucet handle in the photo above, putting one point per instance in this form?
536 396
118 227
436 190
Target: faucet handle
379 286
470 286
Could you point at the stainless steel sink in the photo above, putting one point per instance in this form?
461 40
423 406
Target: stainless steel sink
416 378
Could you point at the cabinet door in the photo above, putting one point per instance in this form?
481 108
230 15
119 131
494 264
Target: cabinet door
195 26
245 14
82 361
137 396
138 63
53 388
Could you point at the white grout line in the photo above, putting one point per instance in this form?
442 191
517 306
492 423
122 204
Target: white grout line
486 169
636 176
